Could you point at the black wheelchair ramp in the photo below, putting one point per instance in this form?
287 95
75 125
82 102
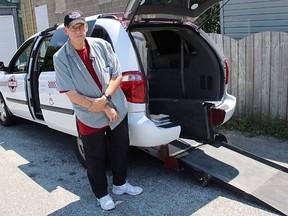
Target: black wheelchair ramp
253 176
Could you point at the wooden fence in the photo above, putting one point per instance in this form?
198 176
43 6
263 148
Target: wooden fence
258 74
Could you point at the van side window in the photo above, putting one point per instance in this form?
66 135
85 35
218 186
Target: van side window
42 53
143 49
47 64
44 47
100 32
20 63
56 42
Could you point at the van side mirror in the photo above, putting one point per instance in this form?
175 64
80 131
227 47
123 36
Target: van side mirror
2 67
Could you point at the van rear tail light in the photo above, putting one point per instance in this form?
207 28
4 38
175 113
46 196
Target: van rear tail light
217 117
227 72
133 86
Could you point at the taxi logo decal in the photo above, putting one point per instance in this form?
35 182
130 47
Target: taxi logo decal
12 83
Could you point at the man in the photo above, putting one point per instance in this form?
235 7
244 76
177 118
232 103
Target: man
88 72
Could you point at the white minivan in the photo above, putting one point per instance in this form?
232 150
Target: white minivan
174 76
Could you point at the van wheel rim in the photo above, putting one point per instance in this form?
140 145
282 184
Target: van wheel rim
3 113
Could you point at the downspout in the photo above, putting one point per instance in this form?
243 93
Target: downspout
24 20
31 16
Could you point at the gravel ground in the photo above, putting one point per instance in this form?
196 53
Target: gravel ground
40 175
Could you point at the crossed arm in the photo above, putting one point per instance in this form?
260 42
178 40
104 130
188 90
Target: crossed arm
98 104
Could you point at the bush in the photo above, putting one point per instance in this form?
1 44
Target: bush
213 24
247 126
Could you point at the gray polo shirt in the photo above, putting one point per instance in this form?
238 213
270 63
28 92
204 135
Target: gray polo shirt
71 74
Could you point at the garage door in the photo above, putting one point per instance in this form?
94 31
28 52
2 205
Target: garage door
8 44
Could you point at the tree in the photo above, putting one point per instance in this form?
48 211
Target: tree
213 24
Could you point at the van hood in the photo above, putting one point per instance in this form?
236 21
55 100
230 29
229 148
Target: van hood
167 9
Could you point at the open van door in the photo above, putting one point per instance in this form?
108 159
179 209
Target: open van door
175 9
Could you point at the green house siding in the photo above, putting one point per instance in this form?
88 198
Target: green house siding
6 3
240 18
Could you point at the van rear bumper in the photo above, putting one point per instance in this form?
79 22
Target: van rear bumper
144 133
228 106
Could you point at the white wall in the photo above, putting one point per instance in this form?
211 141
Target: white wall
8 40
41 16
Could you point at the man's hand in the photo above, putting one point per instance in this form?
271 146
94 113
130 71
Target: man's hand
111 113
97 104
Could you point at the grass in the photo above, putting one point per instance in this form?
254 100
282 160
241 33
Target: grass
249 128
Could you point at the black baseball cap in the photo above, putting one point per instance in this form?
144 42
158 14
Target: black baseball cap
74 17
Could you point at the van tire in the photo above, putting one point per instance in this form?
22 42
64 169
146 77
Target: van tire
221 137
6 117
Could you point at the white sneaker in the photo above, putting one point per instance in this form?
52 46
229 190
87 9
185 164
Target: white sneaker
106 202
127 188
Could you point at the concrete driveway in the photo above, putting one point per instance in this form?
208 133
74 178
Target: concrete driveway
40 175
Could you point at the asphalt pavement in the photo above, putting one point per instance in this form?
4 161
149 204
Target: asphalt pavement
40 175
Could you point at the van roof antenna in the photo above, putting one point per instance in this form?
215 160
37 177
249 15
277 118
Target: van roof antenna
205 21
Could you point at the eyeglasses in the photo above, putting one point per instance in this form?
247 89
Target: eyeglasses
77 27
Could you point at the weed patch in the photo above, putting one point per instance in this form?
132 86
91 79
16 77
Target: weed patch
250 128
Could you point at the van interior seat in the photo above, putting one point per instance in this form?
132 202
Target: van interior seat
201 77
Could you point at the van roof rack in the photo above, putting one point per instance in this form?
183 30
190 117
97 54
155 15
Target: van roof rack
46 31
107 15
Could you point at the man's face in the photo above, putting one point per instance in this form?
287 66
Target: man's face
77 32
